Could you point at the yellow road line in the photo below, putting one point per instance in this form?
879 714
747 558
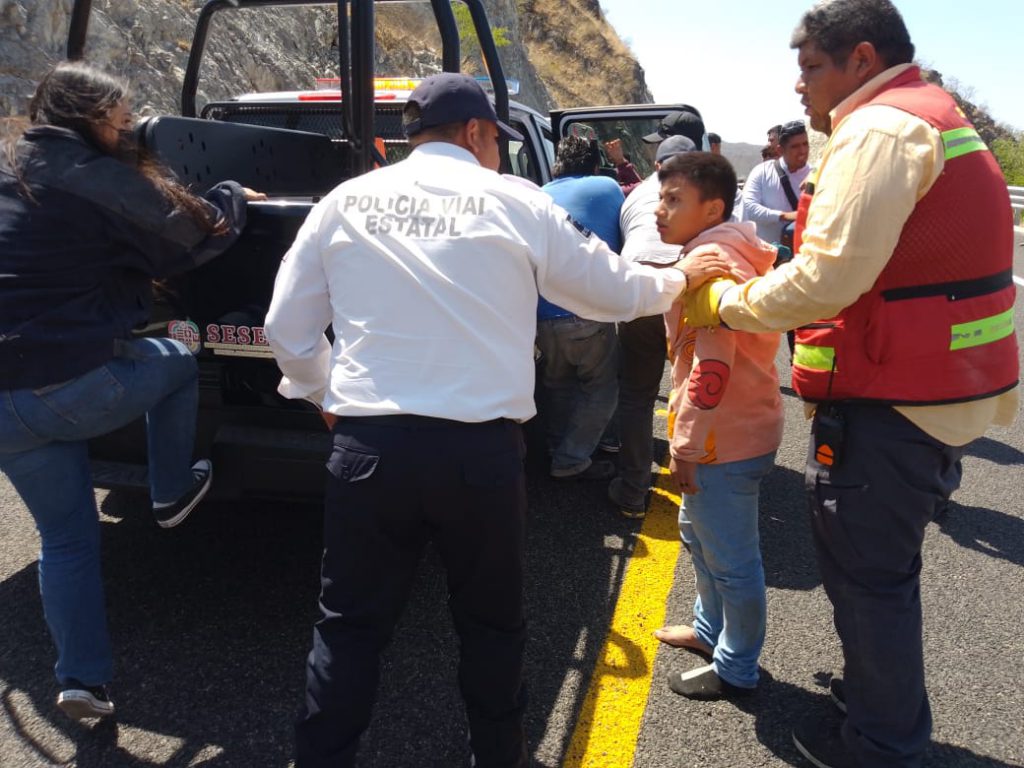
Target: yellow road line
609 723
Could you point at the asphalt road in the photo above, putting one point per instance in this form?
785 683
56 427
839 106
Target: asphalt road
211 623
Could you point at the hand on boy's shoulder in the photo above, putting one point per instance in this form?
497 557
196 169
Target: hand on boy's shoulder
703 264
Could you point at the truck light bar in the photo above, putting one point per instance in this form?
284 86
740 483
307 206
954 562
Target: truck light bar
407 84
336 96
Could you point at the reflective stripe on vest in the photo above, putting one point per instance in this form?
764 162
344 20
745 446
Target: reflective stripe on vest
979 332
815 358
961 141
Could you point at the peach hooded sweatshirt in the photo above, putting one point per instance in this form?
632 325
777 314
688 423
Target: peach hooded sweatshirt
725 403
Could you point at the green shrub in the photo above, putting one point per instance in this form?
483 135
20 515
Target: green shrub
1010 154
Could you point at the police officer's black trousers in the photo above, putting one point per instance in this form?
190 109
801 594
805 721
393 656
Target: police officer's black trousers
396 483
869 515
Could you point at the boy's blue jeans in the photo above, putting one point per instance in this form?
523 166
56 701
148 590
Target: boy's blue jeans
43 451
719 527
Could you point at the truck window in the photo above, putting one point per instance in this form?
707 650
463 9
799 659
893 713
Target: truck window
629 129
523 162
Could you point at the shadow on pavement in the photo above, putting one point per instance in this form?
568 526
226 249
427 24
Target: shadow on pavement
786 544
211 623
778 706
987 531
995 451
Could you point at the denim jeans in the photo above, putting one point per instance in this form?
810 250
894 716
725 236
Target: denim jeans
581 384
43 451
719 527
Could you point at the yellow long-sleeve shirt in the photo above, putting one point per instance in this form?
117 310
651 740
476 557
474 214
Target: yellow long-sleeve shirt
879 162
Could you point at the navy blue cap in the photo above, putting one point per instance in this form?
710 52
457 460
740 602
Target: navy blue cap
451 97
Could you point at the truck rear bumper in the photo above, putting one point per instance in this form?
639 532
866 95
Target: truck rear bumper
248 461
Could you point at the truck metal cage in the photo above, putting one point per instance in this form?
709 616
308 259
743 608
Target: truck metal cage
356 126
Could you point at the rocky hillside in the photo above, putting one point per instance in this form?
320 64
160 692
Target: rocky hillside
148 41
578 56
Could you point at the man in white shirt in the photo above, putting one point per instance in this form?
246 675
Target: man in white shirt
766 201
428 272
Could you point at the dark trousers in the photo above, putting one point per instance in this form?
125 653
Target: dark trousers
396 483
869 515
643 351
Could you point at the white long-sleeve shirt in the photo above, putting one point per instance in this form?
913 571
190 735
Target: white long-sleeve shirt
764 199
429 271
640 238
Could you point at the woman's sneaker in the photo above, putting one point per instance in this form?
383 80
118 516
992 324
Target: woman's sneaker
80 701
170 515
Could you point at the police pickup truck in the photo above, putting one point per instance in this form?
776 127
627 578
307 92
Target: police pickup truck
296 146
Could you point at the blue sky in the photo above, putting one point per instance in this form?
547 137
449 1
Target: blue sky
732 60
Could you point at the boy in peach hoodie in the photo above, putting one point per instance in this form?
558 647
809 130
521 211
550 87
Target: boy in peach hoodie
725 424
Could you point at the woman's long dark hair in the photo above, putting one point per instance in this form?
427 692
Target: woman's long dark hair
79 97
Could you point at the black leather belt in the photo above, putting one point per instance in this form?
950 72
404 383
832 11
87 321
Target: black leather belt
413 421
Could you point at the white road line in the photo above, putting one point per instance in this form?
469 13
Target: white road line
1018 280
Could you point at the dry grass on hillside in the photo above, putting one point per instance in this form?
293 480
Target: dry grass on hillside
578 55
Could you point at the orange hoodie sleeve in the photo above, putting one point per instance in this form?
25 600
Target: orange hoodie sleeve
698 391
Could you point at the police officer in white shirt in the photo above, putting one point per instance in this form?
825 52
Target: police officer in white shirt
428 271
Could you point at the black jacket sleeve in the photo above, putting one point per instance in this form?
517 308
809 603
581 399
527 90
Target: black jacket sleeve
147 233
228 199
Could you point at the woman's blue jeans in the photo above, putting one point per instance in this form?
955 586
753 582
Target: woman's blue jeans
719 527
44 453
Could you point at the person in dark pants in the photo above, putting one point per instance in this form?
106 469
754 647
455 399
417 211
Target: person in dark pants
642 342
397 483
902 297
869 518
429 271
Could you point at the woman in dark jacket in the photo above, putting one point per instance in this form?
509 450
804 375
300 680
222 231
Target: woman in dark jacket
85 225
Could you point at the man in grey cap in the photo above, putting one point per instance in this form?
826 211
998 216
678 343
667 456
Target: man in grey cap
642 341
428 272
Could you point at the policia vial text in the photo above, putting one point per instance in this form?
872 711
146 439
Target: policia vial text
414 216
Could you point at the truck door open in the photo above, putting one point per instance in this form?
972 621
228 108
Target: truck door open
628 123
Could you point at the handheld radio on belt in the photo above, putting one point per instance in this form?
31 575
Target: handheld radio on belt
829 429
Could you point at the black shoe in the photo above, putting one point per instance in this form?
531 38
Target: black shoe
631 504
170 515
704 685
819 739
837 692
596 470
609 446
79 701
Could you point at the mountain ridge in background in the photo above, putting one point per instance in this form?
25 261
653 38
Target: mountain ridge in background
147 42
564 53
